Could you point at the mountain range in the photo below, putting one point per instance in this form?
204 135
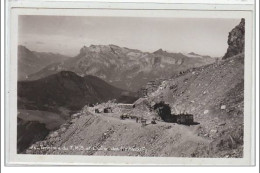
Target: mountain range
30 62
122 67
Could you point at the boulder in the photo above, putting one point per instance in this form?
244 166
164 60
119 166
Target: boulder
206 111
222 124
54 134
223 107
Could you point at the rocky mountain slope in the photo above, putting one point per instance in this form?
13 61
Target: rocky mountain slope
92 134
213 94
30 62
122 67
203 89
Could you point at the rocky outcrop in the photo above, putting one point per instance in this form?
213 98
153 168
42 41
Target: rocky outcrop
236 40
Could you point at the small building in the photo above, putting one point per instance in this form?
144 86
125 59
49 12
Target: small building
125 106
124 116
97 111
108 110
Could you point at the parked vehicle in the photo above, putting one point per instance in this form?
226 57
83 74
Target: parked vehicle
124 116
184 119
108 110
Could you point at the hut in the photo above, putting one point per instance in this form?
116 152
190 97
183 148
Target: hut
97 111
108 110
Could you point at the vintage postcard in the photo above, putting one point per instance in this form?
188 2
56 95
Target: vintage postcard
131 86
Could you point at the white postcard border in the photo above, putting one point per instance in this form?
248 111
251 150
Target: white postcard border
11 106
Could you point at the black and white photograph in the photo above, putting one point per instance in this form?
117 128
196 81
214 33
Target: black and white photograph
130 86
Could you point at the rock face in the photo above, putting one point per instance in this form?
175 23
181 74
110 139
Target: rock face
236 40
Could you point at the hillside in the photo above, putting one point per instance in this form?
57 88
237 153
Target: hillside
29 132
204 88
214 95
66 90
30 62
123 67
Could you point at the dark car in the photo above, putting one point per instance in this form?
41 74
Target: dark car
184 119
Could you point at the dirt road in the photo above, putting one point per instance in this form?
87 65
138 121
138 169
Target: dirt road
102 134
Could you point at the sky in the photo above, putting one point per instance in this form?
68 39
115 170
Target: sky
67 34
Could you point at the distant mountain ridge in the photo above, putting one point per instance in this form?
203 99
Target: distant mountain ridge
30 62
123 67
